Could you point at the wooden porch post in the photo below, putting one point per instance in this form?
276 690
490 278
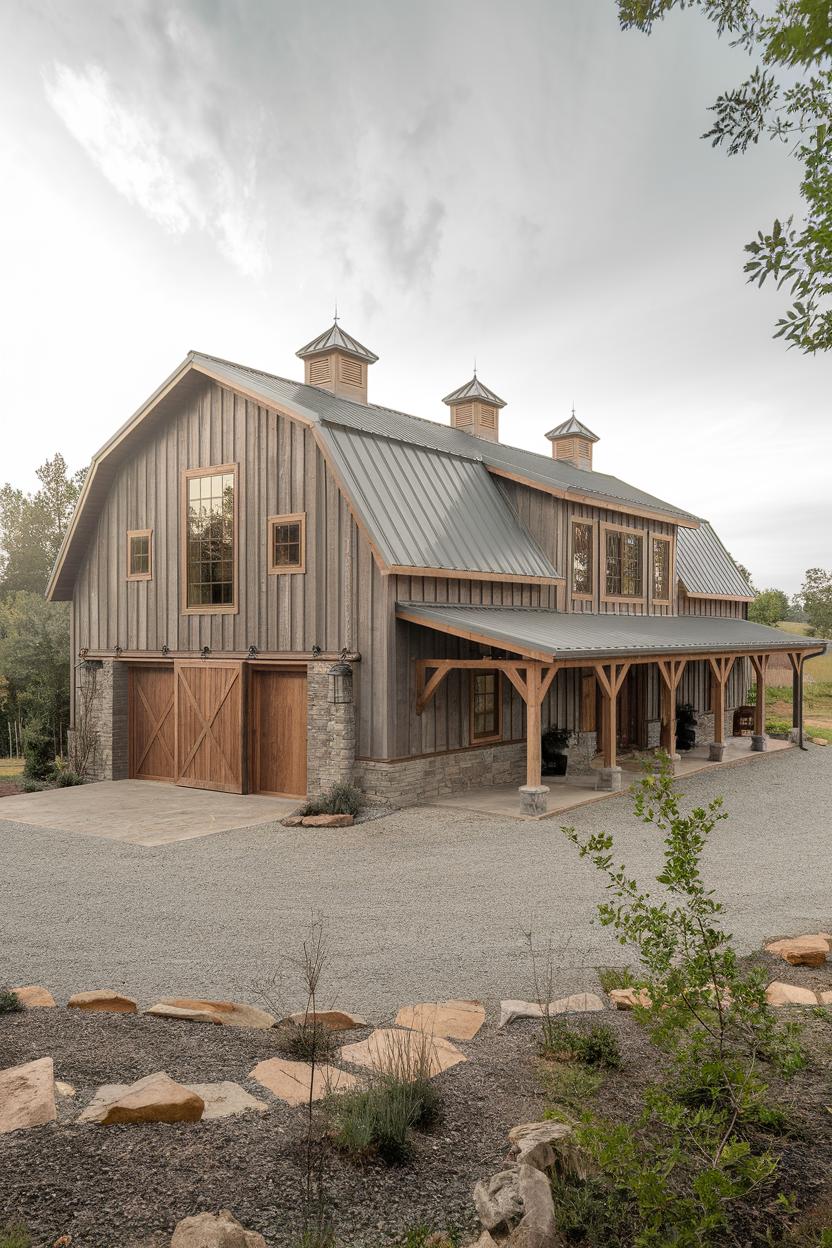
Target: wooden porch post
796 661
671 672
610 677
720 671
533 726
759 741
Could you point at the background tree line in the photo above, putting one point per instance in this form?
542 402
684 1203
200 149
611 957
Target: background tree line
34 633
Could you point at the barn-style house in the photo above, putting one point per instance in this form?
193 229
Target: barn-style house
277 585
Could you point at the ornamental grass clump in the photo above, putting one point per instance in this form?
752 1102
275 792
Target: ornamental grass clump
10 1002
701 1148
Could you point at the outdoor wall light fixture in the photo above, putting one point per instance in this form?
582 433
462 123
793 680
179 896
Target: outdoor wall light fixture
340 680
205 652
253 651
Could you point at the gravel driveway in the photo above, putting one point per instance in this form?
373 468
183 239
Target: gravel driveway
423 903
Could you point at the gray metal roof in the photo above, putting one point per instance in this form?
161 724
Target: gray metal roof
337 338
425 509
316 404
539 632
473 389
571 428
704 566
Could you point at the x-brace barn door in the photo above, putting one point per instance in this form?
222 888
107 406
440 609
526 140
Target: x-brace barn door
209 725
151 723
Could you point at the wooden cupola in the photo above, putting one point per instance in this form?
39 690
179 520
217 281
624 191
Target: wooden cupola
476 409
337 362
572 442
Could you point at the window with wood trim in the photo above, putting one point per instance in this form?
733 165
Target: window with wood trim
486 707
660 569
210 539
582 569
140 554
623 573
286 537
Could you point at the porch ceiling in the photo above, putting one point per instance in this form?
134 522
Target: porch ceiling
539 633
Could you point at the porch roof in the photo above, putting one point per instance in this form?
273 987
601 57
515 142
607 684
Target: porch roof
540 633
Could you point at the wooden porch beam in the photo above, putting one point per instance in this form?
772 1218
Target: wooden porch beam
425 691
546 682
760 663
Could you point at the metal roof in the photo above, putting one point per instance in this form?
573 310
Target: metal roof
425 509
337 339
570 428
541 633
474 389
704 566
316 404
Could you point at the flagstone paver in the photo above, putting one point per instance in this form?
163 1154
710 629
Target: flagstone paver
290 1081
406 1053
460 1020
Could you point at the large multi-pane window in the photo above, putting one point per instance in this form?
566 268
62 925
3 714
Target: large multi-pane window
485 705
661 569
624 564
209 539
582 558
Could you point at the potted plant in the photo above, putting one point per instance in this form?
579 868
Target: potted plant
554 743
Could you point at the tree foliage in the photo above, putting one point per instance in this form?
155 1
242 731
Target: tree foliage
769 607
787 98
816 597
32 526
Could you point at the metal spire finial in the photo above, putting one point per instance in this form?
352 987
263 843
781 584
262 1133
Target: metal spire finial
475 366
336 312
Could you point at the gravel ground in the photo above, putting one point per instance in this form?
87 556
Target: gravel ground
423 903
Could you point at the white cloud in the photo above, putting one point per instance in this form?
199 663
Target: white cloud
171 174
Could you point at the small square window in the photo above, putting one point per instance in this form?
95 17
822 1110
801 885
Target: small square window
139 555
485 706
287 543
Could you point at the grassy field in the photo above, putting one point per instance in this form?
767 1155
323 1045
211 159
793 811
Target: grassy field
10 767
817 690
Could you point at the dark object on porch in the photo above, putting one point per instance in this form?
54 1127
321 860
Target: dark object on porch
743 721
685 727
554 743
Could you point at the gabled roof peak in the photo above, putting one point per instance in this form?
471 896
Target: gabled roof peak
572 428
337 339
472 390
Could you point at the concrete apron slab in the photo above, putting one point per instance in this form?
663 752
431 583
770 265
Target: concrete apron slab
568 793
142 812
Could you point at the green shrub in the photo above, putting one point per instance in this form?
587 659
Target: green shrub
38 751
378 1120
15 1235
611 977
65 778
10 1002
340 799
304 1041
569 1086
591 1213
32 786
595 1046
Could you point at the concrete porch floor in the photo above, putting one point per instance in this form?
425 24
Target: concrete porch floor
568 792
143 812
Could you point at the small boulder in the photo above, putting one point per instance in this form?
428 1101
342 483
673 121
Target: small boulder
64 1089
291 1081
328 821
329 1020
27 1095
818 740
232 1013
177 1011
156 1098
408 1054
292 821
459 1019
549 1145
779 994
825 998
103 999
538 1227
498 1201
34 997
630 998
214 1230
801 950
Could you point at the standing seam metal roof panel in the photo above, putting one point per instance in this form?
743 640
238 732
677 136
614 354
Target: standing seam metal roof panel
704 566
425 509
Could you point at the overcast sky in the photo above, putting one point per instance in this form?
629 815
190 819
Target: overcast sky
521 183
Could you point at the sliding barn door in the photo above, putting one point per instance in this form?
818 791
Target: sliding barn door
151 739
209 725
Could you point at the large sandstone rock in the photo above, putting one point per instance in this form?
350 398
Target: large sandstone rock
210 1230
34 997
232 1013
407 1054
801 950
498 1201
629 998
537 1228
460 1020
549 1146
327 821
818 740
779 994
156 1098
103 999
329 1020
291 1081
27 1095
825 998
577 1003
160 1010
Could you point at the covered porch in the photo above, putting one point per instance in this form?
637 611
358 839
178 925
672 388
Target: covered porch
529 646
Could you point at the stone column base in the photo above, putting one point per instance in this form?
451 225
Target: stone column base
716 751
794 736
609 778
759 742
534 799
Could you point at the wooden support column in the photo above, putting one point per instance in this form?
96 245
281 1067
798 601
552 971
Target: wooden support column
610 677
721 666
533 682
796 661
671 672
759 740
